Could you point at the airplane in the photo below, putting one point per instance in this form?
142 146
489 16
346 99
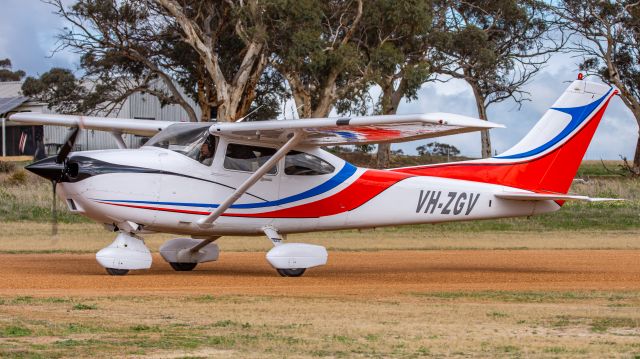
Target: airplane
207 180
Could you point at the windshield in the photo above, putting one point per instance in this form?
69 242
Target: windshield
184 138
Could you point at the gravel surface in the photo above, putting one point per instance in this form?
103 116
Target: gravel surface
371 274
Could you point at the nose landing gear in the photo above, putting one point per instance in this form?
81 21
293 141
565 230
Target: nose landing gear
127 252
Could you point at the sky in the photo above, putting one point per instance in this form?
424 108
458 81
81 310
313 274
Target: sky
28 31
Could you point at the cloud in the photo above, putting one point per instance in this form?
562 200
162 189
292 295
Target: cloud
29 30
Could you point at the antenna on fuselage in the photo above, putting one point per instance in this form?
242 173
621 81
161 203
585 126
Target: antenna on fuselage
296 112
249 114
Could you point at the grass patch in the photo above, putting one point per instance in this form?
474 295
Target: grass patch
82 306
526 296
602 324
144 328
555 350
15 331
497 315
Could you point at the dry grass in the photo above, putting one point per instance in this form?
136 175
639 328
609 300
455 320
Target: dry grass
489 324
89 237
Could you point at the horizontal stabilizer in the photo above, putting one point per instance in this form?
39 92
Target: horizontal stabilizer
529 196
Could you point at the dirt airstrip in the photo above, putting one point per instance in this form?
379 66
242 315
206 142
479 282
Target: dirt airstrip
376 274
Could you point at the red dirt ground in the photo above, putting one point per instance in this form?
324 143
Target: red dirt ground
377 274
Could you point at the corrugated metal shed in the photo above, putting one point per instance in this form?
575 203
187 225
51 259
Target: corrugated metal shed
138 105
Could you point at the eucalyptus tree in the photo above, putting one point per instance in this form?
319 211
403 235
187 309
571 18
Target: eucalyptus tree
607 35
398 56
496 46
7 73
121 53
230 40
215 50
311 46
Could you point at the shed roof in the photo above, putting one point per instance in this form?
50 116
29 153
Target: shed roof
10 103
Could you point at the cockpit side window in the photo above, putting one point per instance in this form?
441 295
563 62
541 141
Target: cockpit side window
207 150
191 140
303 164
247 158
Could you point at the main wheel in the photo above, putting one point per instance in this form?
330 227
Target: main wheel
115 271
291 272
183 267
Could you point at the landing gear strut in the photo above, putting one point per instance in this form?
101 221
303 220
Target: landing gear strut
184 254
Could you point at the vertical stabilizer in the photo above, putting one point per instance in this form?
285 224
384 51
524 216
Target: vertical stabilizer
548 157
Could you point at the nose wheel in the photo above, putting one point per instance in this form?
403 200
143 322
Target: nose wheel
116 271
293 272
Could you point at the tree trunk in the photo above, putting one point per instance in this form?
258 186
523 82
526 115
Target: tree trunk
636 157
485 138
203 101
384 155
390 101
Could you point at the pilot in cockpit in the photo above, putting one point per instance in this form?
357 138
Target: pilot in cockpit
207 150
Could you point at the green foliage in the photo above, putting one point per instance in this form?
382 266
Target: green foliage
60 89
438 149
492 45
6 74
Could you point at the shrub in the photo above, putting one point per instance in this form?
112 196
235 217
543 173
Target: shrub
7 167
17 178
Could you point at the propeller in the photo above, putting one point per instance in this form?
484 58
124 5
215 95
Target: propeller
61 158
67 146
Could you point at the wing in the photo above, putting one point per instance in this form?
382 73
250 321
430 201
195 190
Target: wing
117 125
529 196
354 130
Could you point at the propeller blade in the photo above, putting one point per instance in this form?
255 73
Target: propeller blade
68 145
54 211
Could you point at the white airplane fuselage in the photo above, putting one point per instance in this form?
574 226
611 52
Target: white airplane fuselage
164 191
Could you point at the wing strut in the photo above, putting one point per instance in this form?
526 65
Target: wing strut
292 142
119 140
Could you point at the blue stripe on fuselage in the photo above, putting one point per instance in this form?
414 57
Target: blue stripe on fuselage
347 171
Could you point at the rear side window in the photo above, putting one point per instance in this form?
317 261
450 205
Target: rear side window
247 158
303 164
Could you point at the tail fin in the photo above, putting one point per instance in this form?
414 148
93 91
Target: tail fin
548 157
